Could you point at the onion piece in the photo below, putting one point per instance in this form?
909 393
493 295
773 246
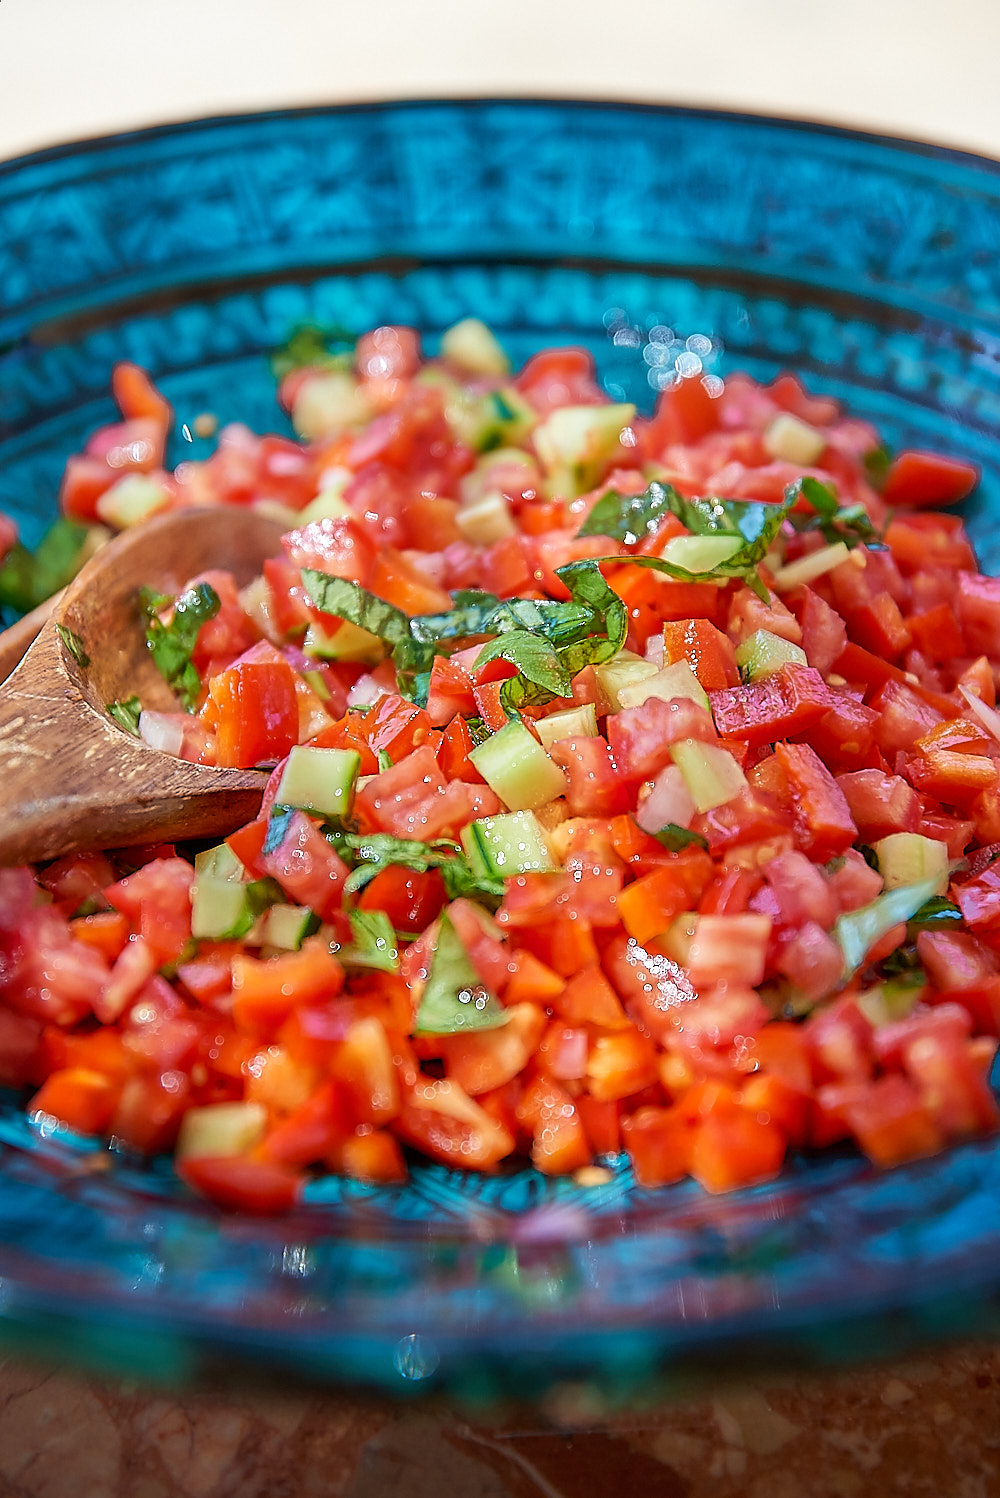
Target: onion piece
669 802
988 716
163 731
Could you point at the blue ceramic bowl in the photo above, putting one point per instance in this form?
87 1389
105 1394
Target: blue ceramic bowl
872 268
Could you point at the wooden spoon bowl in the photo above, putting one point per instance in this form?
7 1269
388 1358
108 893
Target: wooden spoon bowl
71 778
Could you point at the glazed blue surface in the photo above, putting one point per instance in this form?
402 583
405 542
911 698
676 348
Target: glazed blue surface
870 267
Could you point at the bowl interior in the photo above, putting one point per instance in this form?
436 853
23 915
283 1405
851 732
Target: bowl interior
648 236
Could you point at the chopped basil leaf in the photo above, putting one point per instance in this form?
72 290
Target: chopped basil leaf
74 645
591 628
172 644
479 733
347 600
877 464
534 657
936 912
675 838
125 712
755 524
454 997
471 615
373 852
903 964
850 524
27 578
261 894
629 517
374 942
858 930
311 348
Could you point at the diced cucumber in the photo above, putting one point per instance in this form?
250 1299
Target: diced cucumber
763 653
344 643
508 418
909 858
700 553
516 468
576 443
221 1129
328 404
317 681
486 521
286 926
329 503
319 780
857 931
808 568
219 861
570 723
710 772
472 346
515 766
790 438
673 681
221 909
511 843
131 499
889 1002
623 670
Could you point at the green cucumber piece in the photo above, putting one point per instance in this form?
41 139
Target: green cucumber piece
319 780
221 1129
454 997
473 347
219 861
701 553
515 766
623 670
576 443
286 926
710 772
569 723
909 857
677 680
221 909
763 653
857 931
511 843
344 643
794 440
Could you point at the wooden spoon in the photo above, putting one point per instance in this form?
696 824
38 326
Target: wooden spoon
70 777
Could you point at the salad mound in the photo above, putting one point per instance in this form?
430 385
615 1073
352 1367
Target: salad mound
635 790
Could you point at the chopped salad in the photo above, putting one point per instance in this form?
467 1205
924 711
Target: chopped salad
635 790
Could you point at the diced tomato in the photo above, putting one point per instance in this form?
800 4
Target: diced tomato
917 478
706 649
822 817
264 991
241 1183
787 702
658 1141
441 1119
595 785
640 737
736 1149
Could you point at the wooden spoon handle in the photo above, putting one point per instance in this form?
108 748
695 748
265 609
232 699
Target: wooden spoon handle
15 640
72 779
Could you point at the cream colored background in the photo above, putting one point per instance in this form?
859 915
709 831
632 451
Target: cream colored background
925 68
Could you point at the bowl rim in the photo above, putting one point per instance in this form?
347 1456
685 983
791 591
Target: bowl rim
107 140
